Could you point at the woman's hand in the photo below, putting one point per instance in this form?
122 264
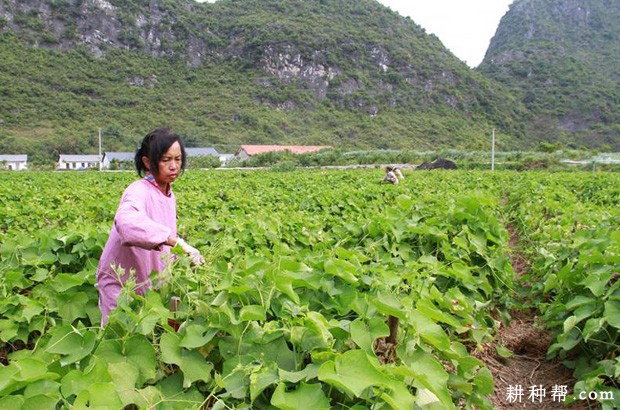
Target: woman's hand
193 253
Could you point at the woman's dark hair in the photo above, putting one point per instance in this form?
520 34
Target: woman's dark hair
154 146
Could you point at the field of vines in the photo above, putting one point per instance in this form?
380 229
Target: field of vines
322 289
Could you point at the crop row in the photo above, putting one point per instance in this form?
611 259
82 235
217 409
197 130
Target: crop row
573 245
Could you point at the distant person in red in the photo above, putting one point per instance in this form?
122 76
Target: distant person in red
144 228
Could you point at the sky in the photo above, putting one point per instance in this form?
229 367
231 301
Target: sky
465 27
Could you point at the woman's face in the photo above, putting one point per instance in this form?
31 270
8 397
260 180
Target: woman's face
169 166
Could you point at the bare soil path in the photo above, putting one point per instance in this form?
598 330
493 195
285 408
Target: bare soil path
527 370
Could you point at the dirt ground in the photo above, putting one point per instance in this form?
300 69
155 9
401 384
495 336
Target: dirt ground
527 366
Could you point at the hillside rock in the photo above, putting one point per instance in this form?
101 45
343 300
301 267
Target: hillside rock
100 25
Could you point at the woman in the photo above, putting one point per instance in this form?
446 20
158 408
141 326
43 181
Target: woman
144 227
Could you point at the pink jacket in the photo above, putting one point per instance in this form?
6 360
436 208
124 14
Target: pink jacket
145 219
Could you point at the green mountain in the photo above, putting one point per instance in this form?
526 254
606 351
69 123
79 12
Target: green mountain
348 73
561 59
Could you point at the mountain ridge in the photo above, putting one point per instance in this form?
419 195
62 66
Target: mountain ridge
562 60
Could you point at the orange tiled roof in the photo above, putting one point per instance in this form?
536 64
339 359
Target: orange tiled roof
295 149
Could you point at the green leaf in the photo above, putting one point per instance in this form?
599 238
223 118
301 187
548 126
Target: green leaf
430 331
197 336
137 351
71 306
72 344
461 272
308 373
303 396
64 281
429 372
317 322
40 401
21 373
175 397
276 351
345 270
11 402
405 202
67 258
364 333
98 395
76 381
40 274
399 397
314 334
30 308
191 363
252 312
36 257
592 326
356 372
566 341
293 265
47 387
428 259
597 282
426 307
284 283
353 372
124 375
569 323
262 378
8 329
612 313
579 300
390 305
234 377
458 383
484 381
220 299
503 352
581 313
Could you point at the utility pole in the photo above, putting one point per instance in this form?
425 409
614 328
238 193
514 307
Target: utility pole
100 158
493 151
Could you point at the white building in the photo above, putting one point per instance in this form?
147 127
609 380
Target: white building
78 162
108 157
246 151
224 158
198 152
14 162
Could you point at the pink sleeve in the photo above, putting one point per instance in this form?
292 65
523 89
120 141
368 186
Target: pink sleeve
134 224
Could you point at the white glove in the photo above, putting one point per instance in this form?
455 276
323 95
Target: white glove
193 253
